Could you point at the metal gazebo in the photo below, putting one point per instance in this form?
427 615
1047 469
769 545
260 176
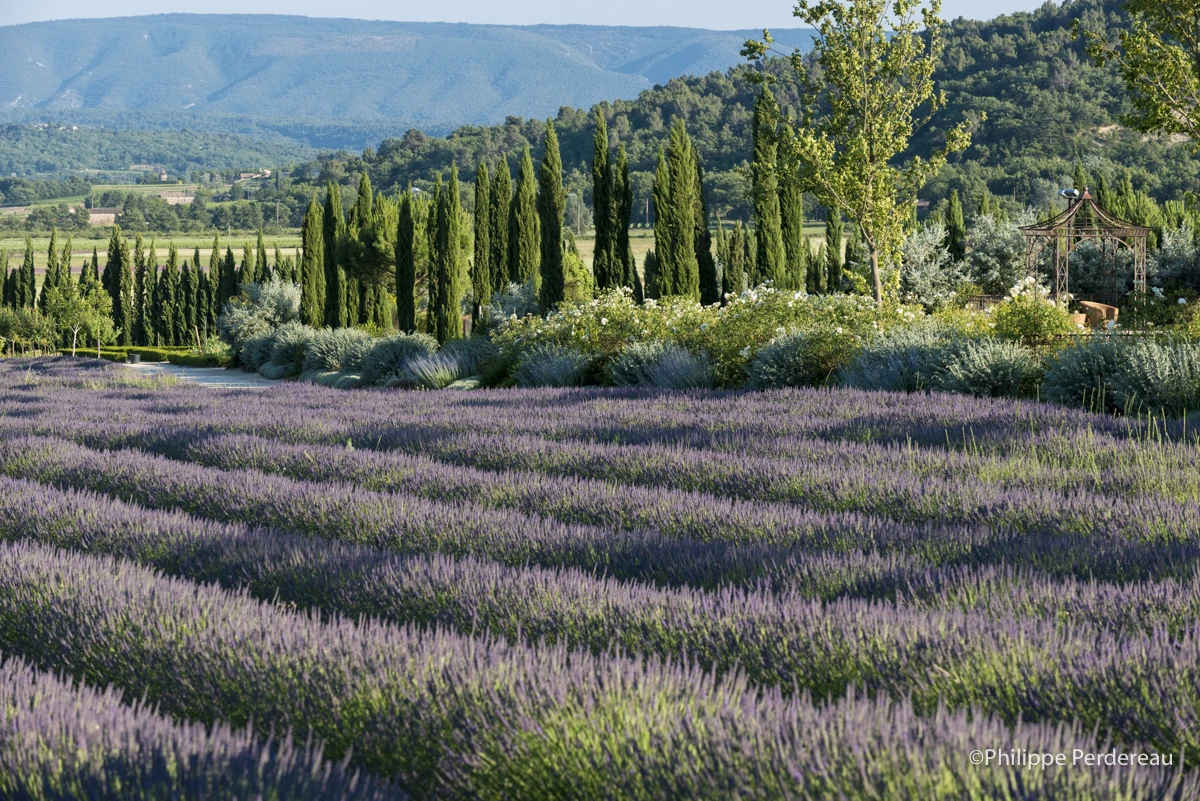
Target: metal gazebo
1083 221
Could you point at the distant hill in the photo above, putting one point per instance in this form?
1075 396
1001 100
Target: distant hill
177 70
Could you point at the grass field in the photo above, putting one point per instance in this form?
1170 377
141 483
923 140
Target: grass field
589 593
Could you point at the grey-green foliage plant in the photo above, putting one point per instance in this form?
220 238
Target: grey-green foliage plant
256 351
1082 375
661 364
289 344
552 366
928 274
989 368
808 357
1155 378
337 350
996 252
904 359
387 357
432 371
1177 262
264 308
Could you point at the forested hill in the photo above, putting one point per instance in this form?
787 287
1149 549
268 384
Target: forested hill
1047 108
178 68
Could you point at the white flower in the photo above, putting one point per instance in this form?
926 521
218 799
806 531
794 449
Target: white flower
838 329
790 304
603 321
745 352
1182 302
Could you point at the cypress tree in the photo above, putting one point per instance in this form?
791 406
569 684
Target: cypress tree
247 273
607 266
214 275
229 281
622 202
24 287
202 304
357 305
650 268
50 281
551 204
64 264
735 267
262 271
481 270
770 257
313 265
123 309
281 267
168 324
406 265
331 291
956 228
1104 195
834 264
213 306
791 219
189 299
150 303
1079 177
524 240
432 280
447 314
10 282
139 292
708 282
675 211
662 227
499 200
750 257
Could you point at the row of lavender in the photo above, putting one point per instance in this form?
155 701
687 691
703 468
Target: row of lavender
515 555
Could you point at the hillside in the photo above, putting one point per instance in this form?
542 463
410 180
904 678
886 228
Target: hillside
178 68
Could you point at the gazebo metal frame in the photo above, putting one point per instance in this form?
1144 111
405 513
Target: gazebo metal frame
1083 221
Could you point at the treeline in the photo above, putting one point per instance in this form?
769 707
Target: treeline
23 191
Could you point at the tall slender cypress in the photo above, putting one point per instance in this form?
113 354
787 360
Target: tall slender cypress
189 298
622 203
406 265
551 204
524 240
313 265
50 280
229 283
499 200
607 266
734 274
262 271
675 211
448 316
791 219
214 274
768 236
481 270
956 227
708 282
834 262
331 289
25 292
150 302
433 237
168 299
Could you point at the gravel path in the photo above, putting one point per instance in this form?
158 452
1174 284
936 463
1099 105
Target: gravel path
205 376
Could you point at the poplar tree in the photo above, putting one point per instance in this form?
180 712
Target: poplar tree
331 290
499 200
481 270
791 218
834 264
607 266
956 228
622 212
447 313
768 235
523 237
313 265
708 282
675 211
551 203
406 265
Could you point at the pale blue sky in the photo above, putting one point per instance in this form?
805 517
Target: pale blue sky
719 14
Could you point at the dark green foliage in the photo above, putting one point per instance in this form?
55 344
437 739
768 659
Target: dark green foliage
189 299
734 274
771 258
500 198
406 266
650 269
141 311
524 239
481 270
50 280
262 270
956 228
312 266
229 287
607 266
447 313
708 281
623 205
330 291
27 279
675 208
795 246
834 234
167 300
119 277
551 203
247 273
432 236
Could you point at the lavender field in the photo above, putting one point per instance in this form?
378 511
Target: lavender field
303 592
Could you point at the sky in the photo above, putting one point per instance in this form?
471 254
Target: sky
715 14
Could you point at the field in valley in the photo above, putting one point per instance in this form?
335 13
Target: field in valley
596 593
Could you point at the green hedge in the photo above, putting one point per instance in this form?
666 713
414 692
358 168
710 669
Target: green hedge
198 359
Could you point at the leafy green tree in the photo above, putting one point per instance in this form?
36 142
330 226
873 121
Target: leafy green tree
768 227
956 228
551 204
607 265
406 265
524 239
331 290
1158 56
481 270
313 265
867 80
499 201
